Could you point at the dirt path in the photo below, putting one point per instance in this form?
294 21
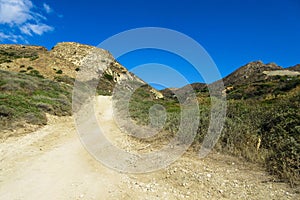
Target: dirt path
51 163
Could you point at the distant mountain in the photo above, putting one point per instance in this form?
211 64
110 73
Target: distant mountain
295 68
171 92
253 80
251 72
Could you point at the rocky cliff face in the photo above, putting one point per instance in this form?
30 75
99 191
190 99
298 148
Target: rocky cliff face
76 53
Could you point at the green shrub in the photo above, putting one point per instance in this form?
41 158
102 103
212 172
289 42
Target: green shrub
6 111
108 77
280 132
59 71
34 57
35 73
64 79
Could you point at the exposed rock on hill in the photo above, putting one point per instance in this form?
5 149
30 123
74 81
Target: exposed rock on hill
281 73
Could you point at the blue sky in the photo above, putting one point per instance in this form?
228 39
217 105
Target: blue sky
233 32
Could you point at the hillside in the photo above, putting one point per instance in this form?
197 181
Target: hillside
251 72
262 120
26 98
253 80
35 81
63 62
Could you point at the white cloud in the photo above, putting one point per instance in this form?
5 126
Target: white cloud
38 29
11 37
47 8
24 17
15 11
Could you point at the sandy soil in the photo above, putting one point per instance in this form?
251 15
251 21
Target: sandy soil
51 163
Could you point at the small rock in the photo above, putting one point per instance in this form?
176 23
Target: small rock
287 193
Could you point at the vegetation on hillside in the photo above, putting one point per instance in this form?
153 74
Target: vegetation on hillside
9 54
262 127
25 98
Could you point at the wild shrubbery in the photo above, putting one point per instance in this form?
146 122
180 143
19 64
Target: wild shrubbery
259 130
27 97
10 54
280 132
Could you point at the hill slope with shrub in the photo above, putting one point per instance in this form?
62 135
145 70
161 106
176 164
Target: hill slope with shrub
262 121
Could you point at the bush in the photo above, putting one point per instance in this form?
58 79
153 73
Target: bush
108 77
36 73
65 79
6 111
280 133
59 71
34 57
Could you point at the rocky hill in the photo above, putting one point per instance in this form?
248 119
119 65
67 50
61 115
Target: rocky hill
254 79
251 72
35 81
259 80
64 61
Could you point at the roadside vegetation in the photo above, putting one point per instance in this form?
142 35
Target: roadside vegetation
262 128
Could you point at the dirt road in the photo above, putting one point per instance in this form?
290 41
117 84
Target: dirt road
51 163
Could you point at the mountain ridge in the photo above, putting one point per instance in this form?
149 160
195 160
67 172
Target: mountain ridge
67 56
255 71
